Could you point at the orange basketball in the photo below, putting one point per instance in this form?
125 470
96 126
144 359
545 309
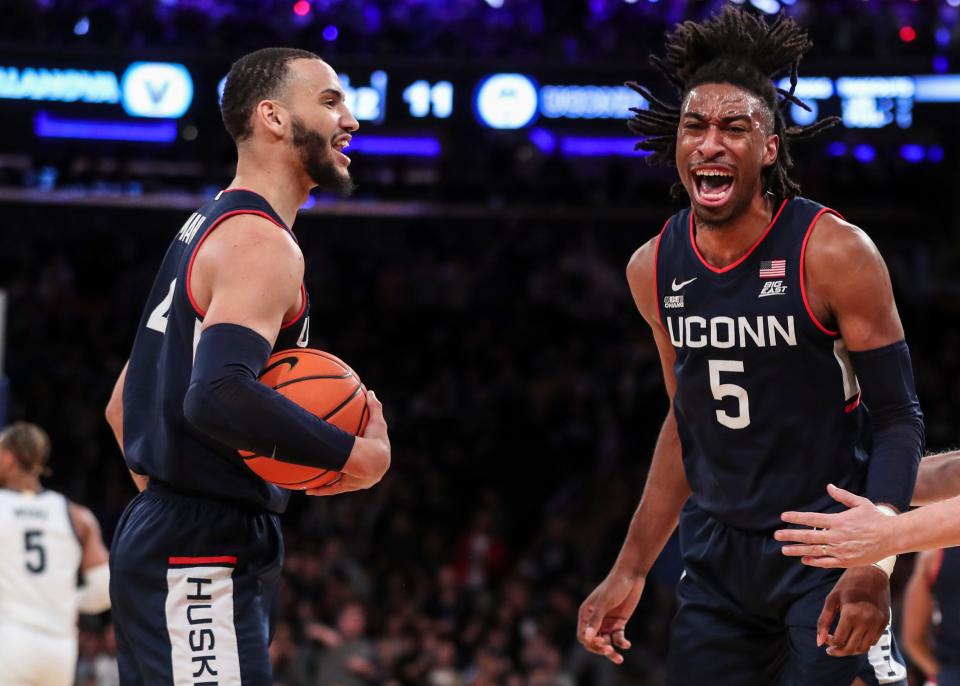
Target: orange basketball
324 385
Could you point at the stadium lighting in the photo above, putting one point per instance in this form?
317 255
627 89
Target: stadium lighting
912 152
837 149
768 6
50 126
864 153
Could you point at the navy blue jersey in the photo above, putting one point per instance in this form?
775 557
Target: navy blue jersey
767 405
945 585
158 441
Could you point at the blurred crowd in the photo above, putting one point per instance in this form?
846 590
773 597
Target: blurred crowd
572 30
523 394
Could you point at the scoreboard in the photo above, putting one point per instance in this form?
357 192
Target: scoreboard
408 108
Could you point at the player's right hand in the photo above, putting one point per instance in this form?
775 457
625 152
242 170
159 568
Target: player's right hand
604 614
370 458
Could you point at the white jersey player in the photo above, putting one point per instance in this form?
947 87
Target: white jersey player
47 543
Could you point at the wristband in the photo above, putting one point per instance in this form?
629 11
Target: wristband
887 563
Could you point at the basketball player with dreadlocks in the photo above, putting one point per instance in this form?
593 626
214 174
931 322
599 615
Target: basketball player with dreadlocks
773 317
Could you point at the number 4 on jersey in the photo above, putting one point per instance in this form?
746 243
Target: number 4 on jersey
158 317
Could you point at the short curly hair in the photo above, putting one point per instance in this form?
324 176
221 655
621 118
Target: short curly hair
742 49
252 78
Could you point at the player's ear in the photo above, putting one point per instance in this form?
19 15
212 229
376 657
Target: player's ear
273 116
771 148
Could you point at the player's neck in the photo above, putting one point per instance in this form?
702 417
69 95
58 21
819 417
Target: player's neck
282 186
723 244
22 482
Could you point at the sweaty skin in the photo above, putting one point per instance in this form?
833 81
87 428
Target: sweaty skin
730 130
726 129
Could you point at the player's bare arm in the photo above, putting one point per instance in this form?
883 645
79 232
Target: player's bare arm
849 289
918 606
249 274
938 478
94 595
604 614
848 285
114 415
863 534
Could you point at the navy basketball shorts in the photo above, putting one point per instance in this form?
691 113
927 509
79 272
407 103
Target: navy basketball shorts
748 614
949 675
194 586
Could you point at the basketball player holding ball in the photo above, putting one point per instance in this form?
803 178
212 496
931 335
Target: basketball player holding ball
195 562
771 314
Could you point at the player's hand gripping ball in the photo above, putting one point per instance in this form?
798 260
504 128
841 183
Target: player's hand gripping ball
323 385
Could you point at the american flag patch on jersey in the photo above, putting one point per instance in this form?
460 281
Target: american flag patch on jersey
770 269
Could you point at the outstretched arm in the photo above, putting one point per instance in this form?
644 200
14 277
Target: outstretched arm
863 534
938 478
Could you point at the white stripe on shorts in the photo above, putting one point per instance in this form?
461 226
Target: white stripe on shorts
885 667
203 638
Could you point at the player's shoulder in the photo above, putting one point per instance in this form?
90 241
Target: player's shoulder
250 241
641 277
835 243
643 261
255 228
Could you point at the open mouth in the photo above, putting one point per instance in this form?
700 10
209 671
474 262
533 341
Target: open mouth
338 147
714 185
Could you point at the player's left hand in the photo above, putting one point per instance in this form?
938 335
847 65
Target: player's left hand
859 536
862 598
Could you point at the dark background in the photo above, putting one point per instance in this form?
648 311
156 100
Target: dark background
480 293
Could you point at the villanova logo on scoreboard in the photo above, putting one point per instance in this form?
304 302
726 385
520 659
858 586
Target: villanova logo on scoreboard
156 89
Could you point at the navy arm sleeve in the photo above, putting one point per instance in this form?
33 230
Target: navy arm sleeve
226 402
886 381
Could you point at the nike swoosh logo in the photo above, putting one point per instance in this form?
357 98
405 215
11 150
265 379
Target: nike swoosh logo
677 286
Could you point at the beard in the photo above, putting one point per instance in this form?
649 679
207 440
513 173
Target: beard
316 155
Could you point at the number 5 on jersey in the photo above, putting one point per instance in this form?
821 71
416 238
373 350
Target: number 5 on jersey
720 391
33 546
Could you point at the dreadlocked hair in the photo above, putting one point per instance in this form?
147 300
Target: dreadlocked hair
741 49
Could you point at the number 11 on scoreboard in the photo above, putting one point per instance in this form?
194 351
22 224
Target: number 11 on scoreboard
424 99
